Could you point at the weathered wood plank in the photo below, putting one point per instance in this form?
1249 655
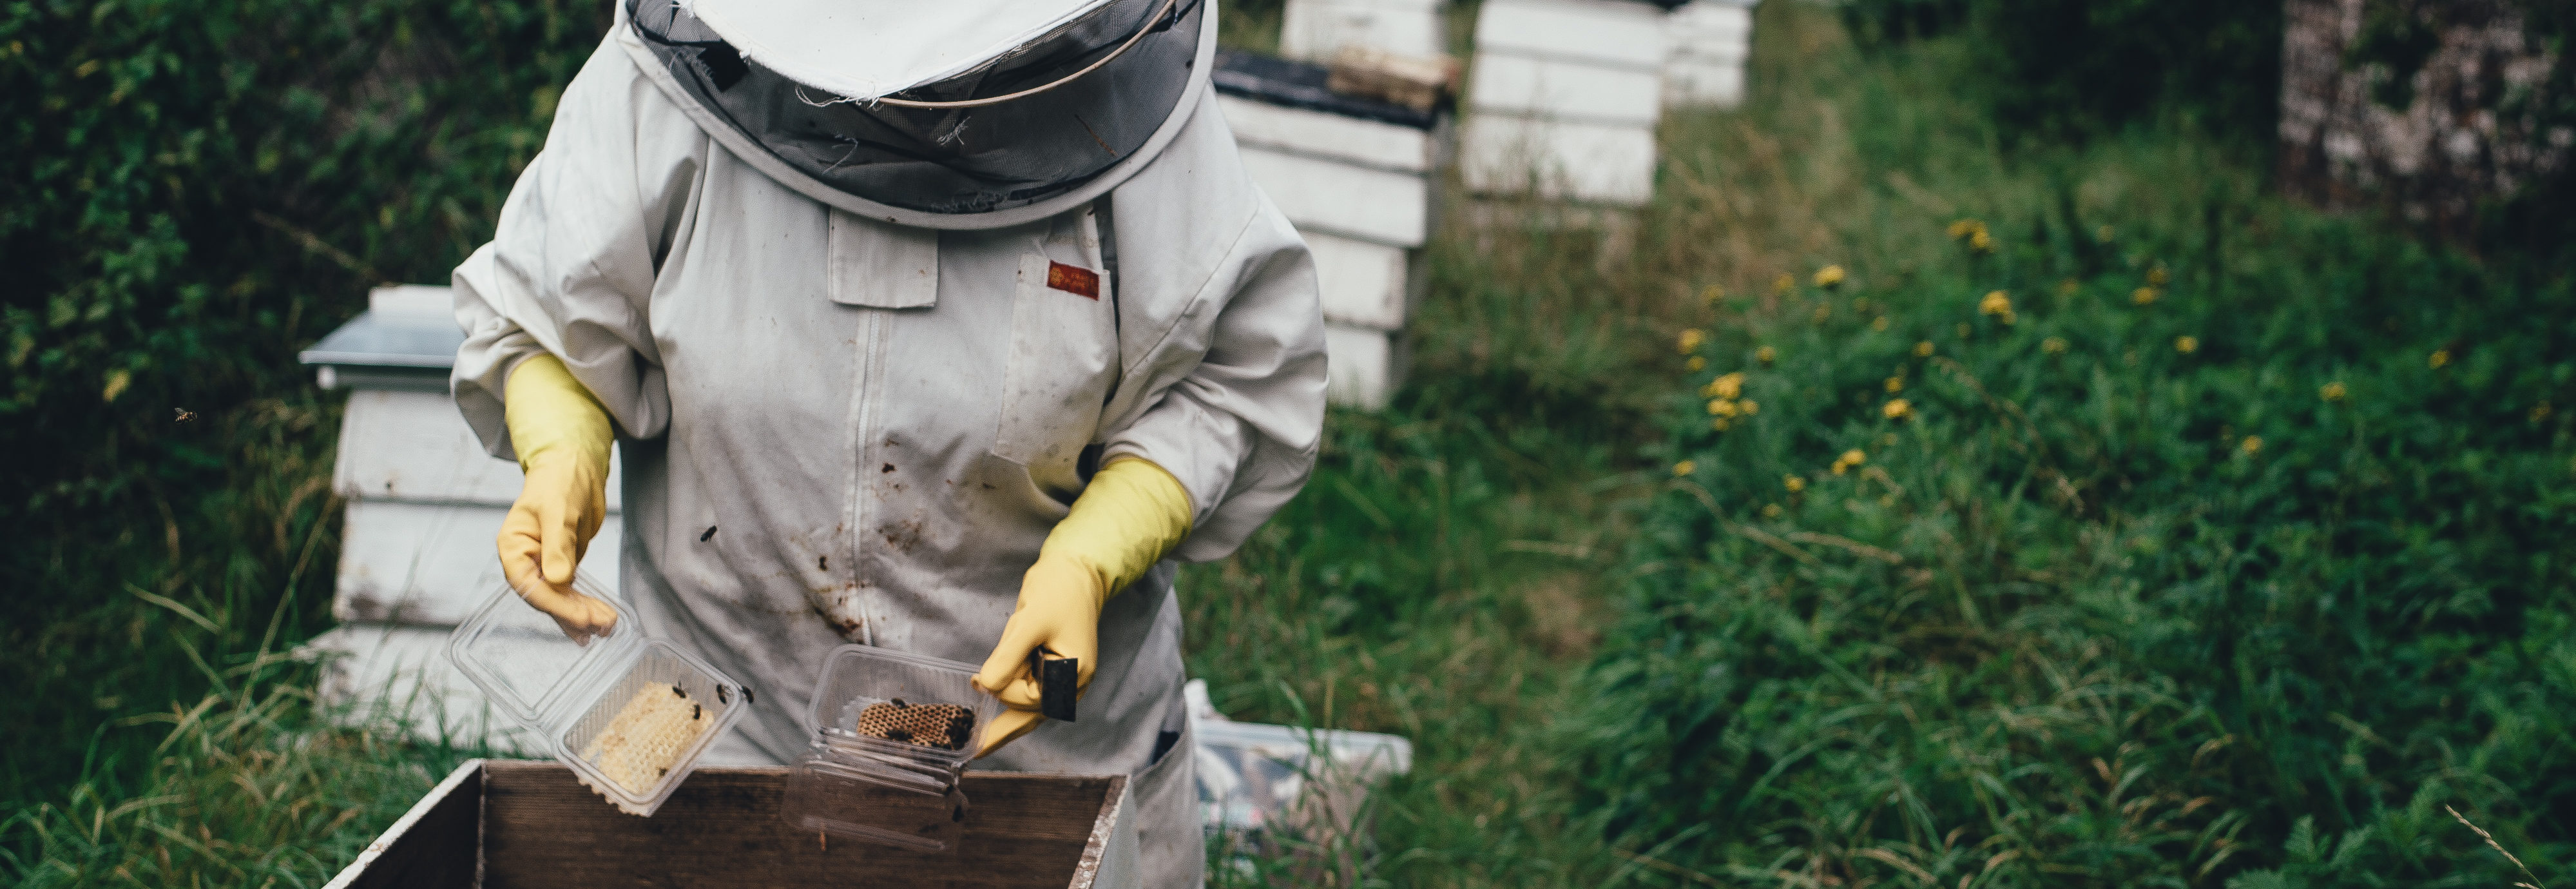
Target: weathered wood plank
1338 198
1615 165
1610 32
1368 143
433 564
413 446
1561 89
1313 30
723 828
433 846
1365 365
1364 284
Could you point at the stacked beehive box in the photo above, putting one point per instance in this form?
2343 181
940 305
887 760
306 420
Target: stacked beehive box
1563 101
1316 30
1710 41
1357 179
424 502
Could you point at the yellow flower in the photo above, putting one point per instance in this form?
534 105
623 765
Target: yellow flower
2186 344
2253 445
1964 228
2158 277
1696 363
2145 296
1712 294
1995 303
1765 354
1691 339
1794 483
1721 408
1785 283
1829 277
1854 457
1923 349
1728 387
1841 467
1770 510
1878 323
1898 409
1895 385
2331 392
2055 345
1685 468
1980 242
1748 406
117 381
2440 357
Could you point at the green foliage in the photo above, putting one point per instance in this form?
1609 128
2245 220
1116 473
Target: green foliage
2182 533
202 189
2060 68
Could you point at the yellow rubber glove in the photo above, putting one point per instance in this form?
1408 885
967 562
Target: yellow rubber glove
1132 513
562 435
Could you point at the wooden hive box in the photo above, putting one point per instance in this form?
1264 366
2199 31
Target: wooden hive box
423 503
1359 181
1315 30
495 824
1710 41
1564 99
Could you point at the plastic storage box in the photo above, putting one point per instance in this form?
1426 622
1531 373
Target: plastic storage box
629 715
892 733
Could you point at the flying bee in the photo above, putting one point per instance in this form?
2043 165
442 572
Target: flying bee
185 415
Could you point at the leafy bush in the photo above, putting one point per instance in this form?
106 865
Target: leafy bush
2083 556
199 190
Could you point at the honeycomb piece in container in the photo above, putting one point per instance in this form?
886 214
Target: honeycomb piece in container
938 726
646 737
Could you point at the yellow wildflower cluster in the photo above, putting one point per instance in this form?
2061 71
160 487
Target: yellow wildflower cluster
1765 354
1771 510
1691 339
2186 344
2253 445
1726 386
1684 468
1848 460
1794 483
1712 294
1998 304
1785 283
1974 232
2145 296
2055 345
1895 384
2440 357
1923 349
2332 392
1878 323
1726 401
1898 409
1829 277
1696 364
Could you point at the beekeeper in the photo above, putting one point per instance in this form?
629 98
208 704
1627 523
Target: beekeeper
932 326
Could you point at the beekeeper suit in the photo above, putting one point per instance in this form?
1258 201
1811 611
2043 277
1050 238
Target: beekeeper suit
890 362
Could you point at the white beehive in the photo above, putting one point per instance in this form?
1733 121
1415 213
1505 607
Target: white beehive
1357 179
1710 41
1314 30
423 503
1563 100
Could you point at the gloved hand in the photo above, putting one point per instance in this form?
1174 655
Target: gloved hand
1132 513
562 435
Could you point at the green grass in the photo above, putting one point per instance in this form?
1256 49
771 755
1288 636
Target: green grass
2113 649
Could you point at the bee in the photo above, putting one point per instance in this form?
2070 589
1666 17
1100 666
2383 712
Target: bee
185 415
679 692
694 712
723 697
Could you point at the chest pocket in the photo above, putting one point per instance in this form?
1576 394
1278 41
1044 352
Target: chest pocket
1062 364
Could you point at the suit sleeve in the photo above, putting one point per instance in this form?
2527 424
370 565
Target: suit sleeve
570 268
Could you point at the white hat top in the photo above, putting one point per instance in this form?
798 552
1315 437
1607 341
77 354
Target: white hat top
866 49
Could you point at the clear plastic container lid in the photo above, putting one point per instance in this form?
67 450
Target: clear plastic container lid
630 715
891 733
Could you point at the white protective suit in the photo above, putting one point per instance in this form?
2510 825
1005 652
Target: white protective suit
837 428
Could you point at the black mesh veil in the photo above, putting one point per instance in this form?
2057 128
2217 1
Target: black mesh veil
952 161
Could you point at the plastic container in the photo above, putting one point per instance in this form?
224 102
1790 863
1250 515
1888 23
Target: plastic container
569 695
865 780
